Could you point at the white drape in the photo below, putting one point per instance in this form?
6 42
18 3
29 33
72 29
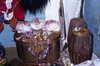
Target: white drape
52 10
71 10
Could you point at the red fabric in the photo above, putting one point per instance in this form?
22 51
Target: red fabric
1 26
2 5
19 14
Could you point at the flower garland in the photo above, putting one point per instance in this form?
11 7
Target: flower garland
37 37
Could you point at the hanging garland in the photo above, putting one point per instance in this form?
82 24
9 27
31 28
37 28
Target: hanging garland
39 48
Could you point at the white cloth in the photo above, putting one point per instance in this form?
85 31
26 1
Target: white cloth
52 10
8 16
8 4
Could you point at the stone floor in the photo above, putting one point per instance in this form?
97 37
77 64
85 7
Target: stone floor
11 53
13 60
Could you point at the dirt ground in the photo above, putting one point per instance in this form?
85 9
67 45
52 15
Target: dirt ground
11 53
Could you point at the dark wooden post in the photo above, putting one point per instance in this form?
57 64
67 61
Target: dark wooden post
75 23
80 46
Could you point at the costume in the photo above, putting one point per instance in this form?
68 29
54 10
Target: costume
14 10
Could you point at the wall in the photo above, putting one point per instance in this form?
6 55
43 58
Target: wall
92 19
6 36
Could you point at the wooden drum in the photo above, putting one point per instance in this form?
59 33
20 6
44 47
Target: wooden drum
80 46
75 22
